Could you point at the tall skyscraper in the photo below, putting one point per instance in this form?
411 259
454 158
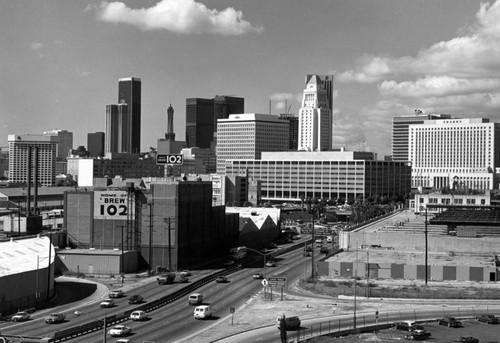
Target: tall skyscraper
316 114
246 136
95 144
64 142
400 129
170 135
293 133
455 153
202 116
18 158
129 92
118 136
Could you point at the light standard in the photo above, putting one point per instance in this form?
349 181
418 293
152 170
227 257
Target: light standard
262 254
103 325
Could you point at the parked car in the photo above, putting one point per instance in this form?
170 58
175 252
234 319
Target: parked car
407 326
450 322
466 340
54 318
20 316
258 276
116 294
488 318
107 303
135 299
221 279
139 315
418 335
119 330
271 264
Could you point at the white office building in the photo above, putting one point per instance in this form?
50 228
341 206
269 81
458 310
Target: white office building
315 114
455 153
19 146
246 136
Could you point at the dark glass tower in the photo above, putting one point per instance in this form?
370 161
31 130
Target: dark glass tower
129 92
202 115
95 144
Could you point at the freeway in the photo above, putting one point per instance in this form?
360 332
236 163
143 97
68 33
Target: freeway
170 322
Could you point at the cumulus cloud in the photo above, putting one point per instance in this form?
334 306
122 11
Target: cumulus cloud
460 76
181 16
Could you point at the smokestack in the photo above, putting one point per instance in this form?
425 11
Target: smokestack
28 182
35 193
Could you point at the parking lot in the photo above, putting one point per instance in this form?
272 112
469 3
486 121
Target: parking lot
439 334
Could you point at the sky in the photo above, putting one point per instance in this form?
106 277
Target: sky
60 61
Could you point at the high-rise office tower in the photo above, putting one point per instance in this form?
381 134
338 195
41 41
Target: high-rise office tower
170 135
95 144
293 133
202 116
118 137
316 114
18 158
400 129
64 142
129 92
246 136
455 153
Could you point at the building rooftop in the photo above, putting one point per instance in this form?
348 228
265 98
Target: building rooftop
24 255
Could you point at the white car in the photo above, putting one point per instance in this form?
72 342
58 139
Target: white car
107 303
116 294
119 330
20 316
139 315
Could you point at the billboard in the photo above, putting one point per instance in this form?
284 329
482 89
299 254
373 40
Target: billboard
113 205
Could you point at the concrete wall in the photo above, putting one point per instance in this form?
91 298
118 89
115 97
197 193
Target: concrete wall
415 241
407 271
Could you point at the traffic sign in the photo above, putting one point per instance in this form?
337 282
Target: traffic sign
264 282
169 159
277 281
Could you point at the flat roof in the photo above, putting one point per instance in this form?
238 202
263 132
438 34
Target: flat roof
23 255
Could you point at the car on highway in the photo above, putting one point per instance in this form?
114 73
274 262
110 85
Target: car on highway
318 242
107 303
135 299
469 339
202 312
139 315
20 316
258 276
221 279
116 294
54 318
186 272
488 318
271 264
450 322
324 250
119 330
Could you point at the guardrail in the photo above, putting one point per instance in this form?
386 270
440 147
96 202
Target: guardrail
80 330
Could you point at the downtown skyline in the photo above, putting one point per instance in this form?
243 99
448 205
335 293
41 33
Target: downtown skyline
62 61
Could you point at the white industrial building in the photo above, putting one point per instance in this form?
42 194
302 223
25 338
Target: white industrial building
455 153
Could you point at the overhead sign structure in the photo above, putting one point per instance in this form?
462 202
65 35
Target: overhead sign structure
276 281
169 159
112 205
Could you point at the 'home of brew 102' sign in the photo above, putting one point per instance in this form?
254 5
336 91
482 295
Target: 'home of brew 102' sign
169 159
112 205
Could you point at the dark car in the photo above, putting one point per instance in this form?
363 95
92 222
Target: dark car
324 250
221 279
450 322
488 318
418 335
406 326
466 340
135 299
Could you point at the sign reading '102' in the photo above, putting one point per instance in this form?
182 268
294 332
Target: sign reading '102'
112 205
169 159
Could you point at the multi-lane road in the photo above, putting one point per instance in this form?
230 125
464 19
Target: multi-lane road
171 322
